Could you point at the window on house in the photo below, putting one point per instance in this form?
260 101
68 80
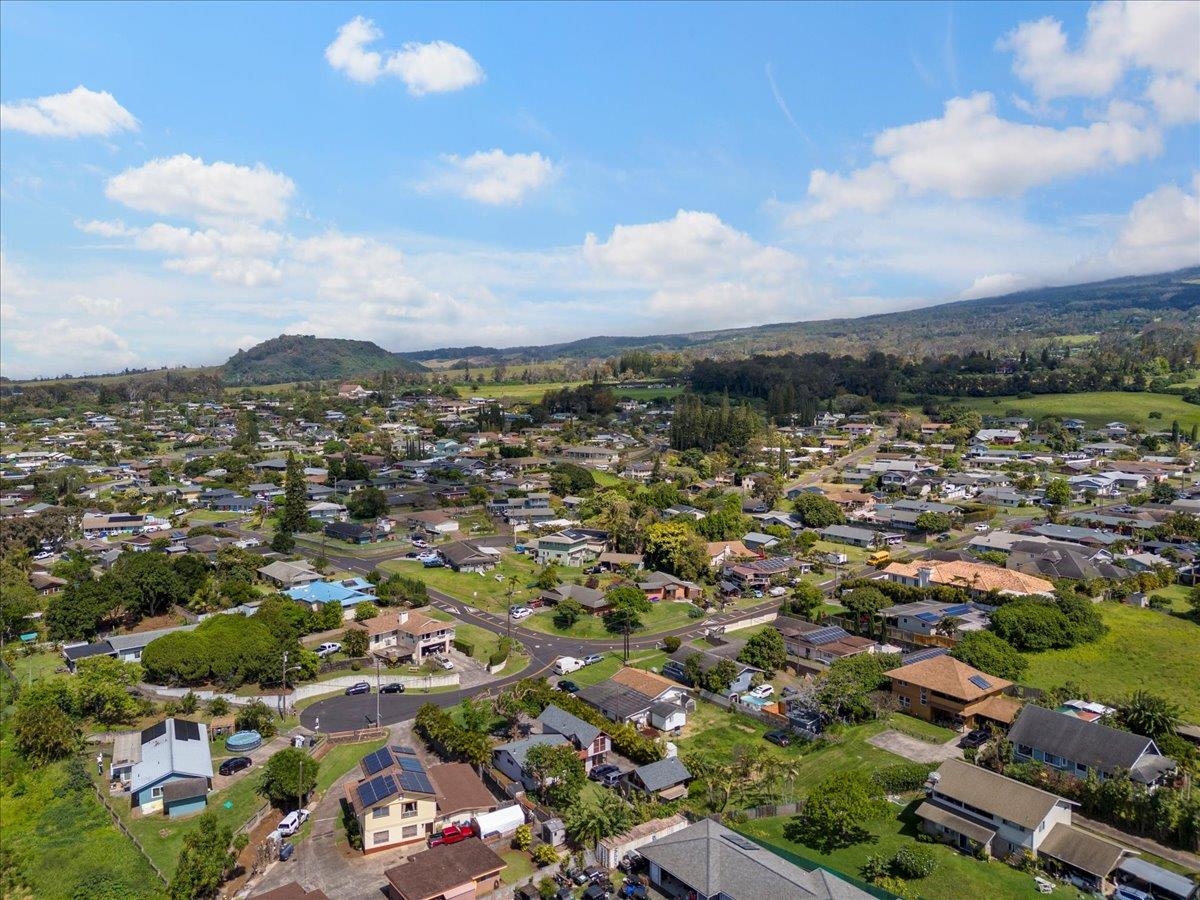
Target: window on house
905 702
409 831
1024 749
409 810
380 812
924 697
156 792
380 837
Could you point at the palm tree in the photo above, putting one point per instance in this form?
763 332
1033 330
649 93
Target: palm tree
1149 714
948 625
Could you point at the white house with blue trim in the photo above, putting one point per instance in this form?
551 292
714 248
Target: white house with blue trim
173 771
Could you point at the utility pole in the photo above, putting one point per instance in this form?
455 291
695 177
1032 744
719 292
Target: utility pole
283 689
377 686
300 786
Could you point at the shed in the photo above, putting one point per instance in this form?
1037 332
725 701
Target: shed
500 823
185 796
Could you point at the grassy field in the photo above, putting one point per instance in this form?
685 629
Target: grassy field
1145 649
340 760
517 393
64 844
661 617
517 574
1177 594
612 663
1095 408
956 876
520 866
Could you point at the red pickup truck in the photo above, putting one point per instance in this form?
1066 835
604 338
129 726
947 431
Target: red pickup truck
451 834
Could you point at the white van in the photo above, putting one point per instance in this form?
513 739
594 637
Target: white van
565 665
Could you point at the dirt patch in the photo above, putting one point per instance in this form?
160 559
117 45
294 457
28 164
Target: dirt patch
914 749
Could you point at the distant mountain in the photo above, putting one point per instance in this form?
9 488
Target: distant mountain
302 357
1010 322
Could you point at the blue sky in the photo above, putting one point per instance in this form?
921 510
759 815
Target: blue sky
182 180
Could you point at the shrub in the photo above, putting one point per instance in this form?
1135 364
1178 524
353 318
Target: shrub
902 777
671 643
695 612
914 861
544 855
522 838
464 647
218 706
189 703
256 716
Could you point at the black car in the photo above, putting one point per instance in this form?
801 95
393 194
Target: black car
780 738
607 775
363 687
234 764
976 738
394 687
568 687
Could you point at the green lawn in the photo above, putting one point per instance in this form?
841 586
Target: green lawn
613 662
341 759
661 617
516 570
1178 595
1143 649
36 666
521 393
957 876
482 641
520 866
64 844
1095 408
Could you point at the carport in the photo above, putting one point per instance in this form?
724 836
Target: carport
1161 882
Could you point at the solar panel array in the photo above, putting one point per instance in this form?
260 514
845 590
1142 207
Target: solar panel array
980 682
377 790
415 782
929 616
154 731
826 635
771 565
408 750
957 610
377 761
186 731
922 655
410 764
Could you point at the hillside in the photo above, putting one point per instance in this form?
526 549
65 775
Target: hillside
1006 323
302 357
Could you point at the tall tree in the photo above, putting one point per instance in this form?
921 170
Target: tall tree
209 854
289 776
295 509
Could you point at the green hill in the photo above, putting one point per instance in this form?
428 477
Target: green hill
302 357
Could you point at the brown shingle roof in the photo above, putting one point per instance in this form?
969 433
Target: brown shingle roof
459 789
1084 851
433 872
948 676
642 681
994 793
293 890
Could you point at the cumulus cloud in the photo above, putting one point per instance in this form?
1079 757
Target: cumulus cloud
106 228
77 113
1160 37
971 152
1176 99
1161 232
185 186
434 68
76 347
97 306
493 176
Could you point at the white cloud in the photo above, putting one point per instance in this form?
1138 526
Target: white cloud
1161 232
75 347
970 152
186 187
493 176
109 229
433 68
77 113
1176 99
97 306
995 285
1161 37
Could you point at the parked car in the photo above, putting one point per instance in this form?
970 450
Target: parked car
451 834
981 527
445 663
392 687
362 687
565 665
286 849
779 738
328 649
763 691
291 823
234 764
607 775
568 687
976 738
520 612
1125 892
592 658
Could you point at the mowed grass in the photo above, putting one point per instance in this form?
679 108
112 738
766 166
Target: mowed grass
340 760
1143 650
613 663
1097 408
64 844
955 877
664 616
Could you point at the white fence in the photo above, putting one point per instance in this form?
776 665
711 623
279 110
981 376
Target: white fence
304 691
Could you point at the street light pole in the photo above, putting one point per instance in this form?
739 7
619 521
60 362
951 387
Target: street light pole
377 686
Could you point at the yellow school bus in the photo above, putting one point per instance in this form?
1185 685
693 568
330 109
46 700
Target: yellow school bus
879 557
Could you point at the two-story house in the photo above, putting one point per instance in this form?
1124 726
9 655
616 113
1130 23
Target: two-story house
573 548
1080 748
590 743
943 690
407 634
397 801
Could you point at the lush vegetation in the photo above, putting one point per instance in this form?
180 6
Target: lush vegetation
299 357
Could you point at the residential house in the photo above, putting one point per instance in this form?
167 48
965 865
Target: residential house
640 698
510 758
666 779
721 552
855 537
461 871
107 524
464 556
600 458
407 634
945 691
661 586
293 890
824 644
173 770
977 579
1081 748
756 575
436 522
926 617
759 542
978 810
677 664
324 511
289 574
708 861
125 647
317 593
572 548
590 743
350 532
594 601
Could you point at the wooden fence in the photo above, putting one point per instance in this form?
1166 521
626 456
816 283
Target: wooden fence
357 736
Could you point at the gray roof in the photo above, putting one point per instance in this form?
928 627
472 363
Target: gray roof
615 700
995 794
711 859
169 748
1081 850
123 643
518 750
559 721
1149 873
581 594
1096 746
665 773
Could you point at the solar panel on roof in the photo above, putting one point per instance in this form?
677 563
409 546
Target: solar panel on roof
410 764
416 782
376 762
922 655
186 731
744 843
958 610
928 616
154 731
980 682
826 635
377 789
408 750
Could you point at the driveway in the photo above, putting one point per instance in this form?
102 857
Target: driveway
915 749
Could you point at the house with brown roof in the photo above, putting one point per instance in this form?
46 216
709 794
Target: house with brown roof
405 633
977 579
825 644
721 552
293 890
978 810
945 691
461 871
